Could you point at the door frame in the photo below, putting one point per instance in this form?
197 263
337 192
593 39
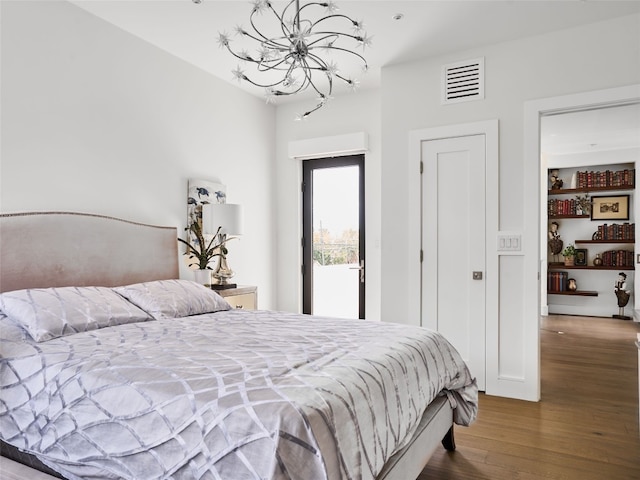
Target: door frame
490 130
536 167
308 166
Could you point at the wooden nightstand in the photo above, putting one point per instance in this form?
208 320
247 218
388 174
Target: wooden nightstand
241 297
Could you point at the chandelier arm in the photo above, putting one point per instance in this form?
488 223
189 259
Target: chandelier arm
325 36
348 51
265 67
335 15
340 34
240 57
262 85
307 73
255 28
285 31
317 107
262 39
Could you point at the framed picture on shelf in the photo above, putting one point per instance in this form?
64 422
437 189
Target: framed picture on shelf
610 208
581 257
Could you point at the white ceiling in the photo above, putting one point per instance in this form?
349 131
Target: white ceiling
429 28
596 130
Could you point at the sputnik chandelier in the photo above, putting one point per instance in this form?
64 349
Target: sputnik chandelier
299 50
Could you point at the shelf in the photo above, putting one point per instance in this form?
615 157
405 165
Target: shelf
569 191
569 216
605 241
579 293
562 266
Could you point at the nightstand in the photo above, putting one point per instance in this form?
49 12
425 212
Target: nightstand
241 297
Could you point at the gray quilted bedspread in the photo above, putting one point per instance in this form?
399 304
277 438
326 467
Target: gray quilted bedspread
228 395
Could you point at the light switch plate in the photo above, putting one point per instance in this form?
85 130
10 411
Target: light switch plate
509 242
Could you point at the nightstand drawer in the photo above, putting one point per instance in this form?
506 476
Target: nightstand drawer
241 297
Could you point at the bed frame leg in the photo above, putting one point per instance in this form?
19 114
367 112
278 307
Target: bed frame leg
449 442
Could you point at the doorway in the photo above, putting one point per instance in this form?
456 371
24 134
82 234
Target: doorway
602 143
333 270
534 214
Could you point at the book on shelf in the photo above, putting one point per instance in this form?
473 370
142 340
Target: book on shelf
606 179
557 281
615 231
618 258
557 207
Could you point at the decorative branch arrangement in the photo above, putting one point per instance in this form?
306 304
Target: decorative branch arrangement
202 251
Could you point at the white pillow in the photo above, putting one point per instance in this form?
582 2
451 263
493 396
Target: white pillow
173 298
48 313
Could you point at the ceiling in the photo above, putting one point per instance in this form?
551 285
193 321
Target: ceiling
428 28
593 130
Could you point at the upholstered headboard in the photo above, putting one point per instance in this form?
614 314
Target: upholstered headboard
56 249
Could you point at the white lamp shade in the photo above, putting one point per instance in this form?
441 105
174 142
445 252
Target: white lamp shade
225 215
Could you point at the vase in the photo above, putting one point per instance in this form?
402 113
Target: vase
203 277
569 261
598 260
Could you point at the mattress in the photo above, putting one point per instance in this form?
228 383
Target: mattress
227 395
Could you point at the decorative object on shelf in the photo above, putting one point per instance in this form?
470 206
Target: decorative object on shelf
555 242
572 286
569 254
581 257
225 219
294 52
610 208
583 204
556 183
597 262
623 295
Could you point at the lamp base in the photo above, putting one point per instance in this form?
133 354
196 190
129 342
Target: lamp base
223 286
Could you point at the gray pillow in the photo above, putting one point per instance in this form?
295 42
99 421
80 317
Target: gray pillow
48 313
173 298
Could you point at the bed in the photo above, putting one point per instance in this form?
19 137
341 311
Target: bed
112 367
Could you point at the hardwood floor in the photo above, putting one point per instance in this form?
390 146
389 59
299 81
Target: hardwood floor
586 425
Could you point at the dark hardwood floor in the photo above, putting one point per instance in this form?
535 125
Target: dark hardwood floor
584 428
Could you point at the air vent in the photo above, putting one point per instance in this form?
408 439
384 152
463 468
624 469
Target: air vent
463 81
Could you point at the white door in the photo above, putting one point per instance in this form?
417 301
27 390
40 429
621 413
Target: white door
453 244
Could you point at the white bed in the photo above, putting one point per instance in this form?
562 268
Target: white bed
385 425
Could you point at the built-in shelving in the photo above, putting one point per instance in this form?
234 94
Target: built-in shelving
562 266
565 191
605 241
575 231
568 216
578 293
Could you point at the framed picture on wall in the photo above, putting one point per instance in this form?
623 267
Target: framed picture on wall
610 208
581 257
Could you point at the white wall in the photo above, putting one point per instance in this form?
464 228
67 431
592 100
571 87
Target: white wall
592 57
349 113
96 120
